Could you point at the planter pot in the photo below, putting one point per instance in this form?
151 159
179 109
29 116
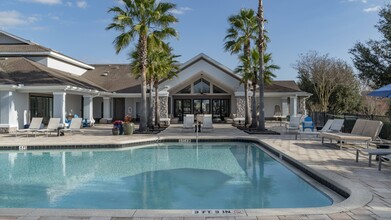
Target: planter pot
128 128
115 131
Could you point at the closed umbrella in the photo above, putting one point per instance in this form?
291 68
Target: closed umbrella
384 91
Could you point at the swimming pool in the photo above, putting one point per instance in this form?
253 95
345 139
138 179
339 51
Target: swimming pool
228 175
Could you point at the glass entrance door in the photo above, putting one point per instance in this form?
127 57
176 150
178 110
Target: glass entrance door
182 107
220 109
201 106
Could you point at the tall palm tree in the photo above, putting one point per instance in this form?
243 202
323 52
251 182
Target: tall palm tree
261 47
253 76
161 64
243 29
140 18
166 68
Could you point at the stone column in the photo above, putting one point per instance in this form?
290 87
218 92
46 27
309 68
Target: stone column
293 105
88 107
284 106
59 105
106 108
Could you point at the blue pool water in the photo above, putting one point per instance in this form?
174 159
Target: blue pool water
164 176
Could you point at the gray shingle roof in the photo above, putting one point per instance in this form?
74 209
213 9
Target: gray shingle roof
19 70
23 48
114 78
282 86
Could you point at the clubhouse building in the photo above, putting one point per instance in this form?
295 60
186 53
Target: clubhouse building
38 81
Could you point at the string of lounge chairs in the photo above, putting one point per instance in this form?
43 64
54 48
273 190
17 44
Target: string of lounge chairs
54 125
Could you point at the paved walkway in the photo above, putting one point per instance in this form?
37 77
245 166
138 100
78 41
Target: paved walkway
325 160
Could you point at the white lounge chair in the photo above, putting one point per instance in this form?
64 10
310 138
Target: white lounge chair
75 126
188 121
34 126
207 123
363 131
326 128
53 125
336 126
294 123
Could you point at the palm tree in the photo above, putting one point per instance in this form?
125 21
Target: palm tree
243 30
161 64
261 47
253 76
166 68
141 18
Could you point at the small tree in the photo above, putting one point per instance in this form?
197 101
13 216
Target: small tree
330 81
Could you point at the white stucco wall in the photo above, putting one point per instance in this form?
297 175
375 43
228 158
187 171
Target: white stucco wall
57 64
73 104
12 109
131 102
22 109
270 103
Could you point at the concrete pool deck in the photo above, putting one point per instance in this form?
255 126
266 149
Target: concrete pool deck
328 161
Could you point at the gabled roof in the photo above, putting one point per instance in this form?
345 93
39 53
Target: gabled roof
209 60
114 78
19 70
28 48
282 86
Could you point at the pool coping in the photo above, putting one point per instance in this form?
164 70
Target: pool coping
357 195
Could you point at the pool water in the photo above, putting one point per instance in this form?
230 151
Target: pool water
163 176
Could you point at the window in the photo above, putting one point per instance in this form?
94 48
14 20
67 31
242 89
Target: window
218 90
201 86
186 90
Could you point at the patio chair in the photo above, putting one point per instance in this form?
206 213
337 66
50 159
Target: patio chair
188 121
308 123
363 131
337 125
74 127
34 126
326 128
294 123
53 126
207 122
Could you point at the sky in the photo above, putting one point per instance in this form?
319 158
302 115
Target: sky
76 28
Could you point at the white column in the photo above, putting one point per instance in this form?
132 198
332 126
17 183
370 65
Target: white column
106 108
88 107
293 105
8 114
59 105
284 106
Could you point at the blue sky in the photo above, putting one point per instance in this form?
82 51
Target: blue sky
77 28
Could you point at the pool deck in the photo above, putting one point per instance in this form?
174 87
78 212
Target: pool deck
339 165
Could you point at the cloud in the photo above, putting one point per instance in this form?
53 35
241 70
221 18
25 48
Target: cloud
372 9
14 18
81 4
180 10
47 2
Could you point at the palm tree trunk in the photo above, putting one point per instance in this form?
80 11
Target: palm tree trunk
150 105
143 60
247 109
247 50
254 107
261 125
157 104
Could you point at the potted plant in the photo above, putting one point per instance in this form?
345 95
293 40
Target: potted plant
128 125
117 127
